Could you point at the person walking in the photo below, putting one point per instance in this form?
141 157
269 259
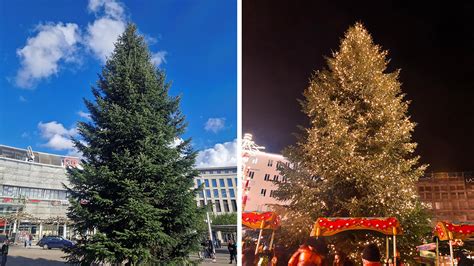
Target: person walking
232 247
4 251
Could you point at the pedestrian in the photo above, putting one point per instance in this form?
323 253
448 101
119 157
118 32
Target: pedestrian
4 251
30 240
232 247
210 248
371 256
313 252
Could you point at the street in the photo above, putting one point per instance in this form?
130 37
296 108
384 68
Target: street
36 256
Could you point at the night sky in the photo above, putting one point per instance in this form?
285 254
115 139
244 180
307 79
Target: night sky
433 45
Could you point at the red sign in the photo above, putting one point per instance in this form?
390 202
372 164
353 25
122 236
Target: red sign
7 200
70 162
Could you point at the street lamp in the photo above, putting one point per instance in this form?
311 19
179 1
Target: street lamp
208 218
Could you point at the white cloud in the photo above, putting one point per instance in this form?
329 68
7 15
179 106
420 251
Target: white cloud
57 136
111 8
158 58
101 36
104 31
41 55
214 124
176 142
84 115
222 154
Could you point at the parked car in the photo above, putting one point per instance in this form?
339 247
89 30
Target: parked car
49 242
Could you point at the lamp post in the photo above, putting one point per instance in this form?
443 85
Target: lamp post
208 219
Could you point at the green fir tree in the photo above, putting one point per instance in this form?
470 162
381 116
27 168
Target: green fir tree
135 187
357 157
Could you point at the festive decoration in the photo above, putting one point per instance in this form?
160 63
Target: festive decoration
449 231
332 226
356 158
254 220
249 148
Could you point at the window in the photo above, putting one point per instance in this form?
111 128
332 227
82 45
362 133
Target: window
251 174
229 182
267 177
206 182
221 182
272 193
284 179
235 181
208 193
254 160
224 193
226 206
275 178
201 194
234 205
270 163
199 182
437 205
214 182
201 203
216 193
218 206
231 193
210 205
263 192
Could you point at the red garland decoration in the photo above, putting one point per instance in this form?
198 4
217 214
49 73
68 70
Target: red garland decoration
254 219
331 226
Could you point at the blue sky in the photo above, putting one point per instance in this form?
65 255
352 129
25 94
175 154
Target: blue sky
51 52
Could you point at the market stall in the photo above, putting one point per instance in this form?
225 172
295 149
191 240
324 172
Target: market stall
261 221
445 231
388 226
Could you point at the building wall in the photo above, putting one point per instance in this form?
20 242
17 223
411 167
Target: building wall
450 195
38 186
220 186
260 170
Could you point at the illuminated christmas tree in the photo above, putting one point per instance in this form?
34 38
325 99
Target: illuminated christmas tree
357 157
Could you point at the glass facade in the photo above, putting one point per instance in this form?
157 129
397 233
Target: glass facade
33 193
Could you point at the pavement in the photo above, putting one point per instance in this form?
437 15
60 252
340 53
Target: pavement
18 255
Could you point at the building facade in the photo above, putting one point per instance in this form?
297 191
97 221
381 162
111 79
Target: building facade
450 196
33 199
32 192
261 169
219 189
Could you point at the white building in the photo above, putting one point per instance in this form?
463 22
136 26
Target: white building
220 188
260 171
32 189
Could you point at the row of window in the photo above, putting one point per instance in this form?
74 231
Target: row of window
222 182
218 171
217 207
455 205
444 196
263 192
33 193
215 192
440 188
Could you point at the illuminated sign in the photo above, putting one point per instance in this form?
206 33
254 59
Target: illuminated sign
469 179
